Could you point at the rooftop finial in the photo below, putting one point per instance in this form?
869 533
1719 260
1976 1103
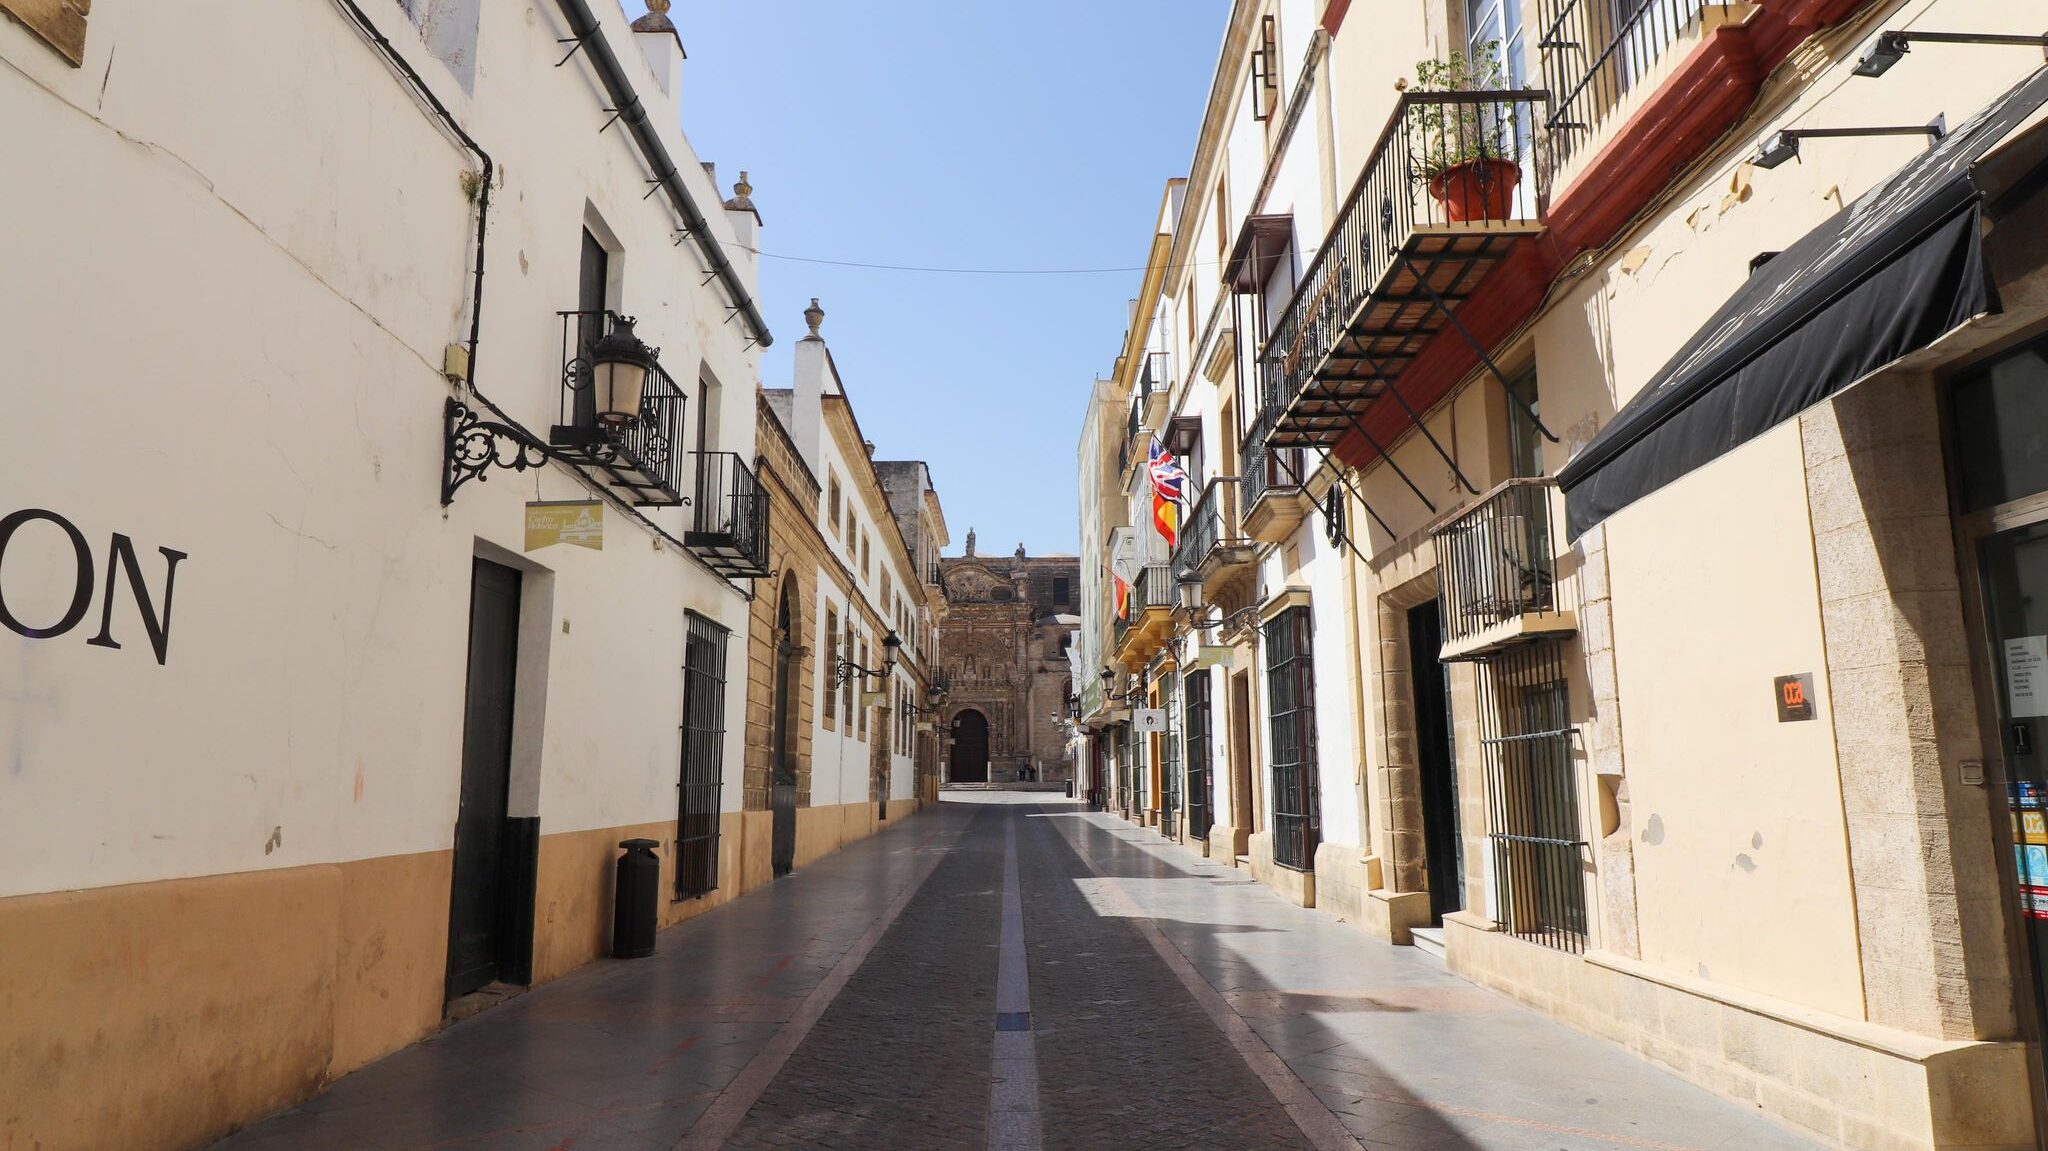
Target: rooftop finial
656 19
742 195
970 541
814 316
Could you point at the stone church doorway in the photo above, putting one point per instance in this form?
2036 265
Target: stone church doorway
970 747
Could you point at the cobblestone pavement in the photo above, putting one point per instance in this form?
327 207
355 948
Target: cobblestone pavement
1172 1003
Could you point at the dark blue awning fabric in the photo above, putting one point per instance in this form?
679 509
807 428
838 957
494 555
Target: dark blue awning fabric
1886 276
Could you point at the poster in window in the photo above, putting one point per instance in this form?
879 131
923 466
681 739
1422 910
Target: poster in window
2026 676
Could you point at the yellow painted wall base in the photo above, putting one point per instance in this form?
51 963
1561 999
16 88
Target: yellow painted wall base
165 1015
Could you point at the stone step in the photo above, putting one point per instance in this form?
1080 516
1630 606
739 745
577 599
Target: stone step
1429 940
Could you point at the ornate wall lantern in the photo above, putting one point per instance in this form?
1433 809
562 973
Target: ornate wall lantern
846 669
619 364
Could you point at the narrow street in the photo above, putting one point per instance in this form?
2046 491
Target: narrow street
1145 998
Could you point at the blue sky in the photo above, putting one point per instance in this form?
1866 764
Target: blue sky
955 133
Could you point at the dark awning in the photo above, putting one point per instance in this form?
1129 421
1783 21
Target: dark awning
1886 276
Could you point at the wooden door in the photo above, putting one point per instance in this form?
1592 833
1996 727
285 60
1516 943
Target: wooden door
478 935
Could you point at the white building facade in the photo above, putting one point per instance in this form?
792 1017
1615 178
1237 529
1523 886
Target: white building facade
308 738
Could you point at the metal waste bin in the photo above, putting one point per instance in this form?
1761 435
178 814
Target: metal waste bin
635 900
1070 789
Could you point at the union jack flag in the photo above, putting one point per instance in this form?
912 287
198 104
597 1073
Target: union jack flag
1168 481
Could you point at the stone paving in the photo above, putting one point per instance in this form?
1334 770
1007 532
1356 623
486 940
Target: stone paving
1173 1004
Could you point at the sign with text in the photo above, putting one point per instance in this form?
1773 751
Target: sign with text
1795 697
578 523
1148 720
2026 676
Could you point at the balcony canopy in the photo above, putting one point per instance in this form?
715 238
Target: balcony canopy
1886 276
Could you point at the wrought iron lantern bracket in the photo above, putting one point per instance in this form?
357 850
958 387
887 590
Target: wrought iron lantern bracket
474 446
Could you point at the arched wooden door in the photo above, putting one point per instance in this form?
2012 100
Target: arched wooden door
782 751
970 747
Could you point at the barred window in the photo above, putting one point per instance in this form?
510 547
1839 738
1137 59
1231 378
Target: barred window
1196 729
831 690
703 771
1291 699
1532 797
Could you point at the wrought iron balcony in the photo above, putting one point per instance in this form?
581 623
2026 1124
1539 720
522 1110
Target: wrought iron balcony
638 456
1270 491
1497 571
1211 541
932 576
1450 191
1144 629
729 518
1153 385
1596 53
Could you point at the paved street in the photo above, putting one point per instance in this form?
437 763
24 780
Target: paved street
1007 972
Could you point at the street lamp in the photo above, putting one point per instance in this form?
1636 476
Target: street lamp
1783 145
619 363
846 669
1108 685
1892 45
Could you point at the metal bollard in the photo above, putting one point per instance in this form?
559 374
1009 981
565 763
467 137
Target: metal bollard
635 900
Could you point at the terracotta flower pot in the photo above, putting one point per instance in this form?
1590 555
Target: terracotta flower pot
1481 189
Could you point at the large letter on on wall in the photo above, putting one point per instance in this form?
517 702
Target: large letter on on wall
60 23
158 627
81 596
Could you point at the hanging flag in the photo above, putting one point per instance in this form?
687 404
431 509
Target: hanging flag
1121 594
1168 482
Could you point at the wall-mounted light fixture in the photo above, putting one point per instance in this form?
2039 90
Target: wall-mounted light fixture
619 364
1892 45
1108 689
1783 145
845 669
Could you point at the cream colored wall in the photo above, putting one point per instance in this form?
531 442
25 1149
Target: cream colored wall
266 273
1738 818
1378 44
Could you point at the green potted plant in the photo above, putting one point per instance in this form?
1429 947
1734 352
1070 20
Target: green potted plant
1464 151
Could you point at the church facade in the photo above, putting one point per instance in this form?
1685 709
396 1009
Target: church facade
1010 622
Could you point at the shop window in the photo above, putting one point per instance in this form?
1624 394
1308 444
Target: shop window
2001 428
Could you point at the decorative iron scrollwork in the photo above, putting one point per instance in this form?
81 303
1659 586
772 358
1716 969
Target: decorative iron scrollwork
476 446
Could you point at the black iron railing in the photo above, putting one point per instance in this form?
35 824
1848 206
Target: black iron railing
729 517
1130 452
1496 562
1529 751
1597 51
932 576
640 456
1152 378
1212 524
1267 469
1445 160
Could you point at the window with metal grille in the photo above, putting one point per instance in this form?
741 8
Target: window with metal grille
1169 756
703 775
1124 772
831 690
1537 850
1197 730
1291 698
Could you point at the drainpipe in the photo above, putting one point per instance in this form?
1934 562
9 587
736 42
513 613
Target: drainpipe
590 38
426 95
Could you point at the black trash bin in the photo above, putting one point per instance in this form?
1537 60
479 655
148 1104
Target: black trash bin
1070 789
636 900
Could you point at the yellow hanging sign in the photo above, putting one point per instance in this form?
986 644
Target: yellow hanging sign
579 523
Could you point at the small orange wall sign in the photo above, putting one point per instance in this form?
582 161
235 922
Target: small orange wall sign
1795 697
